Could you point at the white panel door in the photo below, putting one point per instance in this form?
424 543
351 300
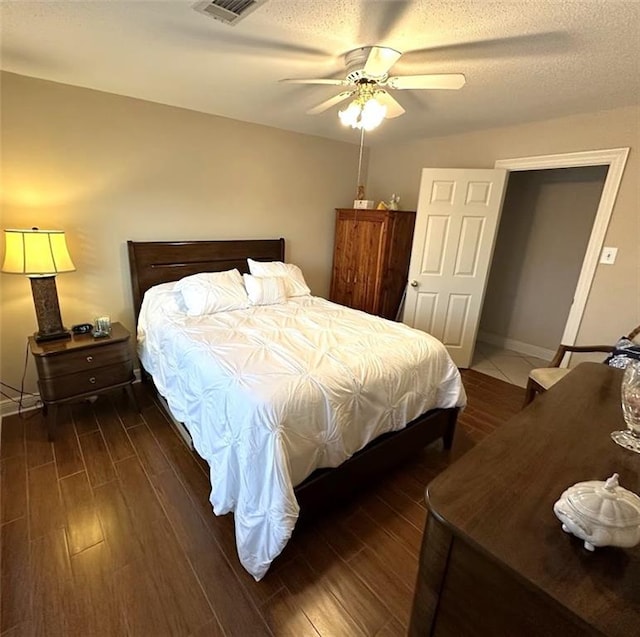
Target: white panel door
453 241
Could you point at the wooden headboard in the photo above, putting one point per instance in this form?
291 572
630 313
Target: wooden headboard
154 262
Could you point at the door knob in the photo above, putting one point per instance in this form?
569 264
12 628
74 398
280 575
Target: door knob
414 284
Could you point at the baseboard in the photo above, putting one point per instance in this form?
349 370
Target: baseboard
9 407
31 401
517 346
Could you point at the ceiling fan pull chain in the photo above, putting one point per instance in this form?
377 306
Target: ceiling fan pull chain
359 186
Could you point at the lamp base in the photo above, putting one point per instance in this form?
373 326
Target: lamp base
45 300
56 336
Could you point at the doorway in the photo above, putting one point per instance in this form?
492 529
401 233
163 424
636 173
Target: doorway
547 220
572 246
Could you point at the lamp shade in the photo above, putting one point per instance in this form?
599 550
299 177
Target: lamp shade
36 252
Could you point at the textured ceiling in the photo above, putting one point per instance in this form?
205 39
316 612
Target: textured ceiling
523 61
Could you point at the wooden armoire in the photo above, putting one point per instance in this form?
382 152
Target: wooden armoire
371 259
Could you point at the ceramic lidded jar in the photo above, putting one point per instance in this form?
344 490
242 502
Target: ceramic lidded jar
600 513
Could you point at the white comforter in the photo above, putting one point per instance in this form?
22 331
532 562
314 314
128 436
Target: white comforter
271 393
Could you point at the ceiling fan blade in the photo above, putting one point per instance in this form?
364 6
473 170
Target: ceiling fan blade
379 19
332 101
545 43
432 81
393 107
317 81
380 60
208 36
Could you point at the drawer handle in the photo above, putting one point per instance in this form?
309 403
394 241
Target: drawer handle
89 359
92 380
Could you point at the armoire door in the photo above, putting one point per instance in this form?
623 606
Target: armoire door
371 231
344 259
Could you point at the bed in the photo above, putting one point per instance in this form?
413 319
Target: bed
280 434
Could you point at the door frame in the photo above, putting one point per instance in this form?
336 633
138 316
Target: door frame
615 159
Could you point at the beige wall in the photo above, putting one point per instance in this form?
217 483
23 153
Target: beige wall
106 168
613 305
545 226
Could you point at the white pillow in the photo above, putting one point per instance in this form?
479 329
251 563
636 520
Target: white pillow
265 290
295 283
210 292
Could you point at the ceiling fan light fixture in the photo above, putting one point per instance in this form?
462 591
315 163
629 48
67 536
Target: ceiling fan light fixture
372 114
365 111
367 115
350 115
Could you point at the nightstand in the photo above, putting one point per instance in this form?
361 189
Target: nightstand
82 367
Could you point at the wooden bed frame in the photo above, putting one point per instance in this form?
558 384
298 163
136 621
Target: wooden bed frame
154 262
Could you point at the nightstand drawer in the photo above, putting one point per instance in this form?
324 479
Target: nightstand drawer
85 382
84 359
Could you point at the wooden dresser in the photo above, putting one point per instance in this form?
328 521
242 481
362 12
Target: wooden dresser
495 560
82 366
371 259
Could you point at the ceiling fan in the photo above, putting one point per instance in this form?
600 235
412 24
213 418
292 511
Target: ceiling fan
368 80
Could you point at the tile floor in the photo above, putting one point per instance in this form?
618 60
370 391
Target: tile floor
504 364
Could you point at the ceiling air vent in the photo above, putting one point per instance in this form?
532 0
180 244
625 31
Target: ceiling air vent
228 11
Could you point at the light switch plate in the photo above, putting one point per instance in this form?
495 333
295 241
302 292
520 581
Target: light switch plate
608 255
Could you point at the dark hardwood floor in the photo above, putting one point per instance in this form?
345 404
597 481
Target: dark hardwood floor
109 531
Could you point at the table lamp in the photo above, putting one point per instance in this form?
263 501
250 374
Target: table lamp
40 254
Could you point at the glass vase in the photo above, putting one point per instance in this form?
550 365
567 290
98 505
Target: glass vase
630 396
